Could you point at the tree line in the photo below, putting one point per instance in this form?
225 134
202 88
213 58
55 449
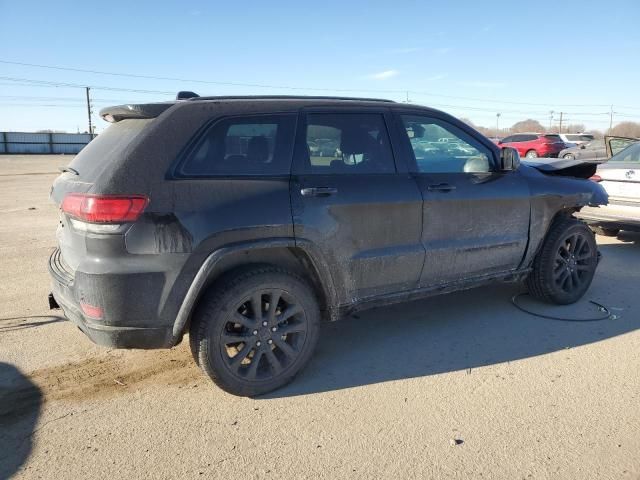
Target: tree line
622 129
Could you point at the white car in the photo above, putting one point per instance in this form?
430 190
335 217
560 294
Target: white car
620 177
576 138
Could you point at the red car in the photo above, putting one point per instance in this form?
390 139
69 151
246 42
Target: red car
532 145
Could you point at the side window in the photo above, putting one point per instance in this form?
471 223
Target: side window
338 143
252 145
439 147
529 138
509 139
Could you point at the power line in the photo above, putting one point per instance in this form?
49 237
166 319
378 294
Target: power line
77 85
291 87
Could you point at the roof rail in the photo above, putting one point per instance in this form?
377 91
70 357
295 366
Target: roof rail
288 97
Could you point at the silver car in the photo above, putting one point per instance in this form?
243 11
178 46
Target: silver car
620 177
594 150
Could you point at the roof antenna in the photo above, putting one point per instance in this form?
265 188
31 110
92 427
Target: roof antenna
185 94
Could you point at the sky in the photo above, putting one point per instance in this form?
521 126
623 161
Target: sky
472 59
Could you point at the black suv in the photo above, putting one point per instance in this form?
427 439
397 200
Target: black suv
222 217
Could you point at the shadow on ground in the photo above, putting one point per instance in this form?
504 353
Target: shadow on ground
466 330
10 324
20 403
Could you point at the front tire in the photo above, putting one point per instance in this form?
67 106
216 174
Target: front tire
253 333
569 156
531 154
565 266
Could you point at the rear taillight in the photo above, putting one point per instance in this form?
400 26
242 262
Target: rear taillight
596 178
103 209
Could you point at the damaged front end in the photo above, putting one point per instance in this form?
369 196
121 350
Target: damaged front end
576 185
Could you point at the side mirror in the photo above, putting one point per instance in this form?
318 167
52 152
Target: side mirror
582 146
509 159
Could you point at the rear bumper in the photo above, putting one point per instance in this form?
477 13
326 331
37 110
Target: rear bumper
621 217
66 293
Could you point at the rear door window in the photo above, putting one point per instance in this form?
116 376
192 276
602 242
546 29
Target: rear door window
252 145
343 143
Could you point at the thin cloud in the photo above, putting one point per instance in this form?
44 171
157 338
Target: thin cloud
403 50
385 75
442 50
478 84
433 78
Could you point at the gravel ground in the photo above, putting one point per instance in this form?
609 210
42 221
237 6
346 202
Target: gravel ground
460 386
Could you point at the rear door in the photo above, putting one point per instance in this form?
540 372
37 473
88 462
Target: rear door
352 204
475 218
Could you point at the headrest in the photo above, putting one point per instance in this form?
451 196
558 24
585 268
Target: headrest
355 141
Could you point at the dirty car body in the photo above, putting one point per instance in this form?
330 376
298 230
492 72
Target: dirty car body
174 196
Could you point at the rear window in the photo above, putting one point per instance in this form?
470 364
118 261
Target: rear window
631 154
253 145
109 145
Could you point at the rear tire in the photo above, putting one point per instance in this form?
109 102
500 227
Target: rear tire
531 154
606 232
253 333
564 267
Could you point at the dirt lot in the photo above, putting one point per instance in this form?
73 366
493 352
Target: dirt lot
462 386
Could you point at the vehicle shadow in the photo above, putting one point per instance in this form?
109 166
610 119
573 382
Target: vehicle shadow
465 330
20 403
21 323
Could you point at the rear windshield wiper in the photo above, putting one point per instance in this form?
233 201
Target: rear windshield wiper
68 169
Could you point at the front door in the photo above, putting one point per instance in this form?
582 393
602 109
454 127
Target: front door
475 218
353 205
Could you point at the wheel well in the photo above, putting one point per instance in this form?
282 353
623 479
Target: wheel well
293 259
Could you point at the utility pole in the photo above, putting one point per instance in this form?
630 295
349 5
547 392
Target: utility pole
611 118
497 123
89 112
550 120
560 126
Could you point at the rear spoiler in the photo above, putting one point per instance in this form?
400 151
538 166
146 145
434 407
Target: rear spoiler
144 110
565 167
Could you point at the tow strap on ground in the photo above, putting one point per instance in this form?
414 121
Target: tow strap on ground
605 316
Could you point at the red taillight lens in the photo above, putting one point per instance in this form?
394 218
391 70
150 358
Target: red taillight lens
596 178
92 311
104 208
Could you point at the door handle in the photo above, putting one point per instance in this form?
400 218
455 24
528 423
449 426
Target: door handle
318 191
441 187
